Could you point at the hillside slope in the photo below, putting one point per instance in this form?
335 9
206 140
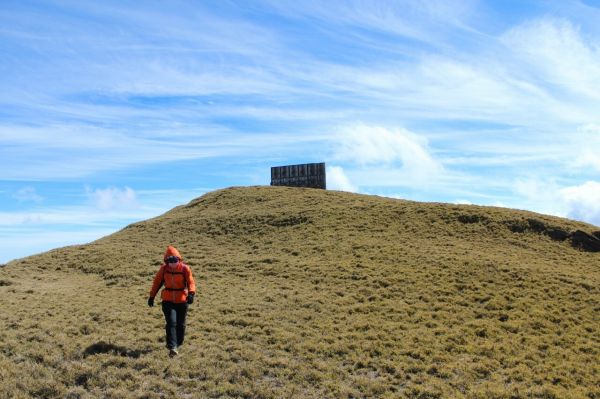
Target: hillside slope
308 294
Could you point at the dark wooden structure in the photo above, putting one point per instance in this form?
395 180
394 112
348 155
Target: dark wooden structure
303 175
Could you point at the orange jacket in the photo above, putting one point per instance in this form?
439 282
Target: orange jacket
178 280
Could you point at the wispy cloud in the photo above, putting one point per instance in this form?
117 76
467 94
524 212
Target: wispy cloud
421 21
46 153
558 55
27 194
103 206
102 211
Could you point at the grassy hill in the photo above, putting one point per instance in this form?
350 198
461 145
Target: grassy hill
309 293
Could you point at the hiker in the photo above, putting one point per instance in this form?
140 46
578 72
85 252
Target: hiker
178 293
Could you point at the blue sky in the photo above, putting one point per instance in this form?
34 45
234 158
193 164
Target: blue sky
113 112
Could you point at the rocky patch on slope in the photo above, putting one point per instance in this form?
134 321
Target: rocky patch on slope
589 242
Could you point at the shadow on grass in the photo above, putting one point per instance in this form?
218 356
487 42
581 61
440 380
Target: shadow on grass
104 347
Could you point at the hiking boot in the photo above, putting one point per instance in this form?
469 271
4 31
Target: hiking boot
173 352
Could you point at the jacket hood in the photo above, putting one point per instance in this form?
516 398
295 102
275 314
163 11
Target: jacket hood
172 251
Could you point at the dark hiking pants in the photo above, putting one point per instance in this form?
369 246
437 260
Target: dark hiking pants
175 317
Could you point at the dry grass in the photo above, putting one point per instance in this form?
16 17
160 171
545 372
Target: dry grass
312 294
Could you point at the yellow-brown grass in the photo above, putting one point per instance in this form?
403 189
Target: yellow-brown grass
312 294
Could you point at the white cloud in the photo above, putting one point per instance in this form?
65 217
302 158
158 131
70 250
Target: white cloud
365 145
113 198
583 202
337 180
26 194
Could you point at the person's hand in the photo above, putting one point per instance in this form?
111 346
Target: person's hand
151 301
190 298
